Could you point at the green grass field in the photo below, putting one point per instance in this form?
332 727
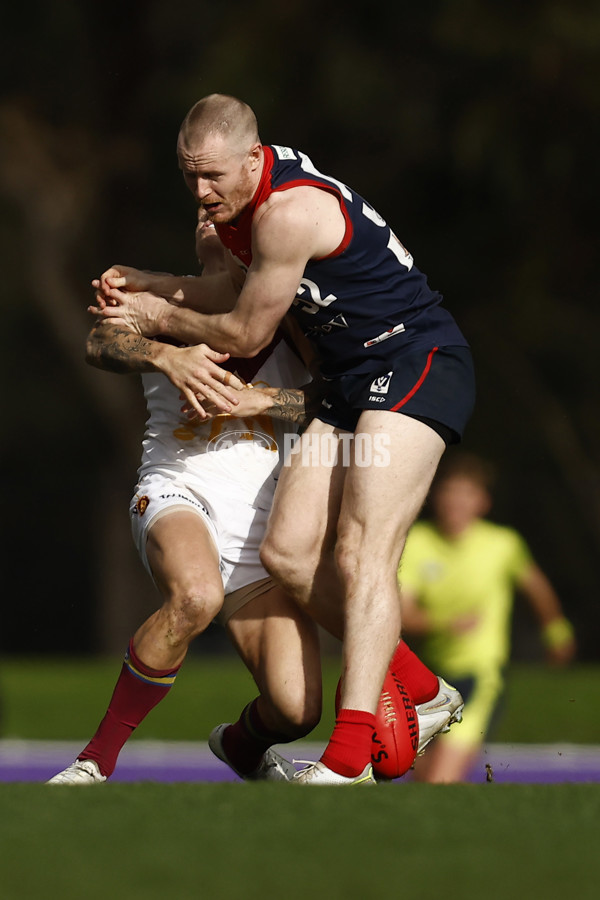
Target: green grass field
65 699
231 841
235 840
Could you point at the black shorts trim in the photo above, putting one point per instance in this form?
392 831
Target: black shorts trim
448 435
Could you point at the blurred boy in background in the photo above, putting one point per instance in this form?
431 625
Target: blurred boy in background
458 576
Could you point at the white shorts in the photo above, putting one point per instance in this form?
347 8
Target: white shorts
236 527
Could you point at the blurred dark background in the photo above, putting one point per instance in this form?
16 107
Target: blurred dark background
471 126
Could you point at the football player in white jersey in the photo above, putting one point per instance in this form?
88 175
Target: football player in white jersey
198 516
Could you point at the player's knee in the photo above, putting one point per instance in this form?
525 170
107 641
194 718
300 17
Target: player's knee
276 560
190 609
272 555
358 557
288 566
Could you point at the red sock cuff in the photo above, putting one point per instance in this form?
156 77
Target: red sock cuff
133 660
355 717
137 691
420 681
349 748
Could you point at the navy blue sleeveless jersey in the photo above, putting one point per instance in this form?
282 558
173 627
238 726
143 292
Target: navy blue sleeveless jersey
366 303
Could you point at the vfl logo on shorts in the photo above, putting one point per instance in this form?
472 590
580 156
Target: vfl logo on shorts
381 385
142 505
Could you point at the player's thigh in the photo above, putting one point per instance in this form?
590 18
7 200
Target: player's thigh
279 644
182 554
308 496
395 458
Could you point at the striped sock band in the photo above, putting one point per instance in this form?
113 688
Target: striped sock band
159 677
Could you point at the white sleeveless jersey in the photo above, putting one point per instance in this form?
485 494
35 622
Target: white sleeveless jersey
244 454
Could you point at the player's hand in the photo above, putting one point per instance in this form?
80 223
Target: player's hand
126 278
140 312
250 402
202 382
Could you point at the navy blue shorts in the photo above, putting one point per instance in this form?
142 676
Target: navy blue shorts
436 386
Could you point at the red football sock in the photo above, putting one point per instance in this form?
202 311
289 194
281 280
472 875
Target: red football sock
246 740
349 747
138 689
420 681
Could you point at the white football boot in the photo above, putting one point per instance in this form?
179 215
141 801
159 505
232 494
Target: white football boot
437 715
82 771
318 773
272 766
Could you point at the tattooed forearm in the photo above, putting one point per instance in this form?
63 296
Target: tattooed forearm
116 349
289 404
298 405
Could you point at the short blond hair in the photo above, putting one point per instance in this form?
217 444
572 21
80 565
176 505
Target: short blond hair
222 115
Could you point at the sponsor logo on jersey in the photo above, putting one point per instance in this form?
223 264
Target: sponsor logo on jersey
327 328
381 385
337 322
397 329
376 399
284 152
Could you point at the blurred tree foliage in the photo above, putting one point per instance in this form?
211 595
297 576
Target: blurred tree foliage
472 126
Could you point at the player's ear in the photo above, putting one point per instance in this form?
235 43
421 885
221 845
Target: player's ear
255 154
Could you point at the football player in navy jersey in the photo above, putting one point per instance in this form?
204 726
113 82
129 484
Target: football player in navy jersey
399 379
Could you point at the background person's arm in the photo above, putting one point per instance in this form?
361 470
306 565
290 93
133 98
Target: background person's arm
557 632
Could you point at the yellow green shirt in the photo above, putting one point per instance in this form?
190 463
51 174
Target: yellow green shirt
474 574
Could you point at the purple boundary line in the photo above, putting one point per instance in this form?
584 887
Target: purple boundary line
36 761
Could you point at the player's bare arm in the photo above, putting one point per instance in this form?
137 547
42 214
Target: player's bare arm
288 230
213 259
114 348
211 293
193 370
295 405
557 631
